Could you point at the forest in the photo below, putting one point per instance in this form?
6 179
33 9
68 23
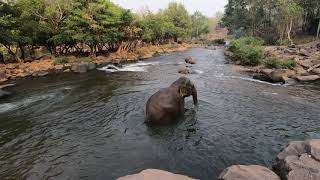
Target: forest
89 27
276 21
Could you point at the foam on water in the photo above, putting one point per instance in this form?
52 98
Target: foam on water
137 67
5 107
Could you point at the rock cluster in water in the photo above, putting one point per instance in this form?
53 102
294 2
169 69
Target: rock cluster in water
187 69
298 160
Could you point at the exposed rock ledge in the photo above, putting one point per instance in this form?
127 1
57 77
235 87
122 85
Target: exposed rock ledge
298 160
154 174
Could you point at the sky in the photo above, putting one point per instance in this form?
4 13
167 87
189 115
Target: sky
207 7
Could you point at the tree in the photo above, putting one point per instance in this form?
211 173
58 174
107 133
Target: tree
290 11
179 16
200 24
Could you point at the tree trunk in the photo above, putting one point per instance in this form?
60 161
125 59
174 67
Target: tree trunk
289 28
318 31
22 52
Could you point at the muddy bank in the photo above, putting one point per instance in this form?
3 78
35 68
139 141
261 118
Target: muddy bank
48 64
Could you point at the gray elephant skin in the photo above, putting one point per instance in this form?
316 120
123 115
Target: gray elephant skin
167 105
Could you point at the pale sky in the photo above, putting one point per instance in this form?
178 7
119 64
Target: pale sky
207 7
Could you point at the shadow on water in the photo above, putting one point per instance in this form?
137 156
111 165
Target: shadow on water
91 126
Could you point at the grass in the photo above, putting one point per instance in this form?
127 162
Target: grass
276 63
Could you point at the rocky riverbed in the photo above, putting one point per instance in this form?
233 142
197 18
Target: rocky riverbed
306 57
298 160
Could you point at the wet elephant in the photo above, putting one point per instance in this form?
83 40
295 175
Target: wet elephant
165 106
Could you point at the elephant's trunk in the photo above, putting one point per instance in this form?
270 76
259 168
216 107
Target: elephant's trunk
194 95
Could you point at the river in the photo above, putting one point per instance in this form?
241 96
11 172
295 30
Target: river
91 126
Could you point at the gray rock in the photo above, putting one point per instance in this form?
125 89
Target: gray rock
3 77
154 174
281 75
80 68
91 66
299 160
253 172
300 71
304 52
316 71
291 51
190 60
308 78
262 77
184 70
40 73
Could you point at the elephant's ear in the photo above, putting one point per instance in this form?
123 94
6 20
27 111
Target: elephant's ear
183 90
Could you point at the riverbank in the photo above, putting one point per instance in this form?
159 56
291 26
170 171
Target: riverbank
298 160
305 59
50 65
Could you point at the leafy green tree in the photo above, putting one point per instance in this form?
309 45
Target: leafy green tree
179 16
200 24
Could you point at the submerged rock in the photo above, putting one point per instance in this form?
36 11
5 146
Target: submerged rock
190 60
154 174
40 73
281 75
252 172
184 70
299 160
82 67
3 77
4 93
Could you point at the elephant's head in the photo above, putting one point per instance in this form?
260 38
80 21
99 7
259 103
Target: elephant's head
186 88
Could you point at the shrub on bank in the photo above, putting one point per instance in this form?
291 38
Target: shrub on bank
247 50
61 60
275 63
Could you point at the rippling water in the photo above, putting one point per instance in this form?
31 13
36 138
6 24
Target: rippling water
90 126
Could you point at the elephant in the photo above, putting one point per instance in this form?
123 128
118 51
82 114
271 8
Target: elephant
167 105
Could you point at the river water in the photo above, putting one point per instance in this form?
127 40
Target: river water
90 126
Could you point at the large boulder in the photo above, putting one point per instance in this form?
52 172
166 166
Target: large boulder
261 77
308 78
190 60
281 75
299 160
304 52
154 174
253 172
40 73
3 77
316 71
82 67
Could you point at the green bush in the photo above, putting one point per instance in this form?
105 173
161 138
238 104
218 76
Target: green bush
284 42
61 60
247 50
275 63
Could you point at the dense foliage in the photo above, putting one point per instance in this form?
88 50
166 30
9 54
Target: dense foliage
273 20
89 27
247 50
